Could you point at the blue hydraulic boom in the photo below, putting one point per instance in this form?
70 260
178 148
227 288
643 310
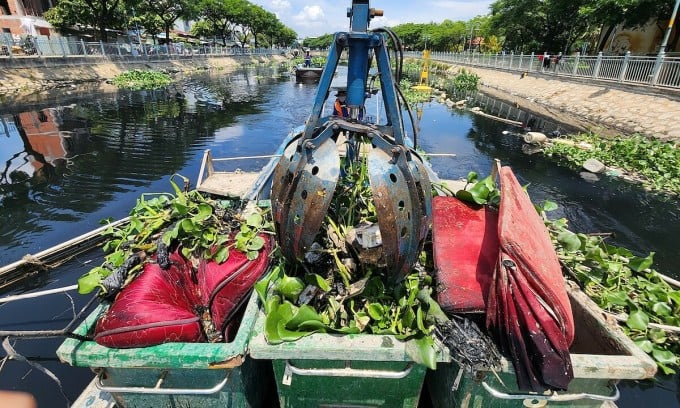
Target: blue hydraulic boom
305 179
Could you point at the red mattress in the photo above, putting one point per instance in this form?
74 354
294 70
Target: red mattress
162 306
465 249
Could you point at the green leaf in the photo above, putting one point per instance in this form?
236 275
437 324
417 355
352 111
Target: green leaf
664 356
638 320
569 241
662 309
645 345
222 255
472 177
188 225
640 264
318 281
205 211
255 220
422 351
304 314
252 255
290 288
549 206
256 243
375 310
619 298
657 335
88 282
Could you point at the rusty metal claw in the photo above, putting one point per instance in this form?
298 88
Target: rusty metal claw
302 190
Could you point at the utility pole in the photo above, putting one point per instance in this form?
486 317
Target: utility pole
664 43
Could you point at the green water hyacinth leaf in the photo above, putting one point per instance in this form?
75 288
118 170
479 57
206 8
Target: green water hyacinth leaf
569 241
88 282
640 264
645 345
205 211
657 335
255 220
304 314
188 226
619 298
638 320
376 311
181 208
316 280
256 243
290 288
222 255
422 351
664 356
662 309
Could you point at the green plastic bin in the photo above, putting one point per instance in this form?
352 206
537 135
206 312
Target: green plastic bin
601 355
327 370
176 374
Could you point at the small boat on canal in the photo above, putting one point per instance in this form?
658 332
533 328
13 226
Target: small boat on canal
152 344
307 74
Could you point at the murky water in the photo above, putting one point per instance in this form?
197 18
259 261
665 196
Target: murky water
65 167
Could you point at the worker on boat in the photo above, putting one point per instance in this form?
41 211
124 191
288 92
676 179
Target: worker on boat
340 106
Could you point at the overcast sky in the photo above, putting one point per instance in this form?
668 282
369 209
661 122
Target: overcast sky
315 17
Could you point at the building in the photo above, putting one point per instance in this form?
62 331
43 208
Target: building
24 17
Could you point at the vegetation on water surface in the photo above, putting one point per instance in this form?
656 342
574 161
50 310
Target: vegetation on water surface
201 227
138 79
626 285
619 282
653 162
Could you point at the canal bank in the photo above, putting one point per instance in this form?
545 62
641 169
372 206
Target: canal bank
602 108
24 80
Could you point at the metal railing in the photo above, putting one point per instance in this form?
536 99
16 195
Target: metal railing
63 47
655 71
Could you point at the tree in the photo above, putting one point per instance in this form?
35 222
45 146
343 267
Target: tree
168 11
98 14
219 18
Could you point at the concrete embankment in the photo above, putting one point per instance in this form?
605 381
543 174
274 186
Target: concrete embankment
28 79
603 108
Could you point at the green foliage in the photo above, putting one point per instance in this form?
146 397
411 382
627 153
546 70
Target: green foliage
413 96
138 79
624 284
99 14
200 227
653 162
465 81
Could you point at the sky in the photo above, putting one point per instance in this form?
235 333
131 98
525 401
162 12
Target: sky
310 18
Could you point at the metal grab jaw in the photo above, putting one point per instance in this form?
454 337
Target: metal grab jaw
308 172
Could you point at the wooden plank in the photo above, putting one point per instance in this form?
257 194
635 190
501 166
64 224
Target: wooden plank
228 184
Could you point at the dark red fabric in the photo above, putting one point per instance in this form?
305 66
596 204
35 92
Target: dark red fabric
465 250
162 306
157 307
224 287
529 309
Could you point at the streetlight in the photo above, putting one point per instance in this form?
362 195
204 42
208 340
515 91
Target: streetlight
472 31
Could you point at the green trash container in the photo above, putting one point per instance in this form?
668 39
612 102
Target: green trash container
601 355
176 374
328 370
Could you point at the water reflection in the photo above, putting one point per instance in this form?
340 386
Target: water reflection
70 165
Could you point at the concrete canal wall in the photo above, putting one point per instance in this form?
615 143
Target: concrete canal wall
604 108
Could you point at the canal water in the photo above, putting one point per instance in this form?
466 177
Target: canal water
66 164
